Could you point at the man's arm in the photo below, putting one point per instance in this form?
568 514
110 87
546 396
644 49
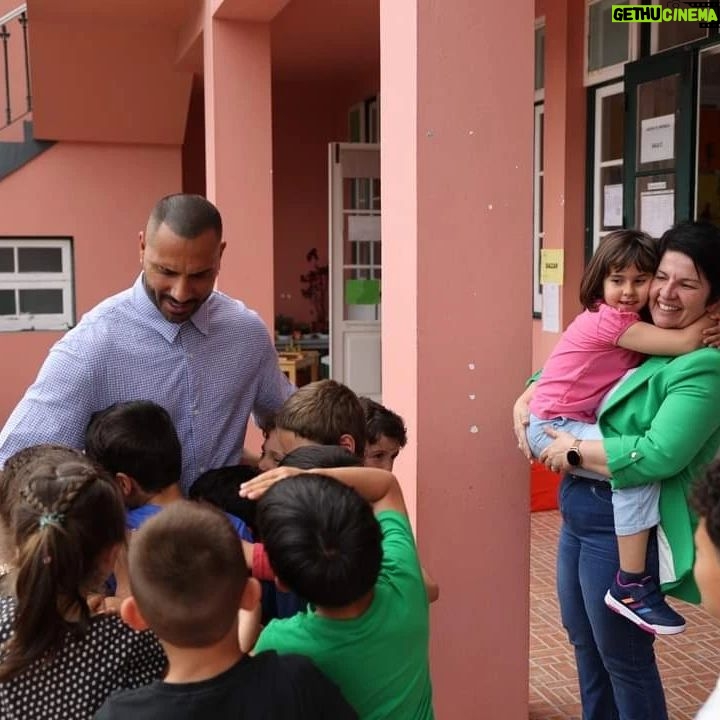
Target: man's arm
56 408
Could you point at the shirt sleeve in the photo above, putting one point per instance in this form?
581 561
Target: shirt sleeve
611 323
686 419
57 407
273 387
400 559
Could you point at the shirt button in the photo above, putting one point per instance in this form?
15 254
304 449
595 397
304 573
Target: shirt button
633 454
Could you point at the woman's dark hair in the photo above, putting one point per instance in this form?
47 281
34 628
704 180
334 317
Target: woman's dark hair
700 241
616 251
67 515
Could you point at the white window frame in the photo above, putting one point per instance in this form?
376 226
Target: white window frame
16 281
600 93
540 92
538 236
654 37
596 77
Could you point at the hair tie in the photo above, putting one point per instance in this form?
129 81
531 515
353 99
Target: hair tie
53 518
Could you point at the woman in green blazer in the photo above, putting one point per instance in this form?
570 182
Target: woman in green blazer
661 424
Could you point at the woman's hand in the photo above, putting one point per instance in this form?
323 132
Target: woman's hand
254 489
711 336
554 456
521 418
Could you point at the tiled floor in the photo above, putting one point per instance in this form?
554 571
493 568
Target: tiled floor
689 663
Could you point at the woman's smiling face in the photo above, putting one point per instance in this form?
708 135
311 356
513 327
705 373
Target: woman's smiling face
679 292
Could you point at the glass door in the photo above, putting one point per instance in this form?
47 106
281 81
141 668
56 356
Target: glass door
658 140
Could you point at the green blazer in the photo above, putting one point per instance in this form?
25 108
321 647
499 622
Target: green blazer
663 424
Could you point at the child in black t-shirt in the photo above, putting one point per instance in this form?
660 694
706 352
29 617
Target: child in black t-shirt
188 579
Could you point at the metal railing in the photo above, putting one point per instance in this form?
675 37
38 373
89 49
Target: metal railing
14 51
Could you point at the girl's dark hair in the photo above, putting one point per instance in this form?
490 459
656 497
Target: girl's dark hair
68 513
705 500
616 251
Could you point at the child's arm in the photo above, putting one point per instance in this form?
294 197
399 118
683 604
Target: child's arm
651 340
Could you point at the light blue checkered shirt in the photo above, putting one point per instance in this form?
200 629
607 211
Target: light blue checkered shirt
209 373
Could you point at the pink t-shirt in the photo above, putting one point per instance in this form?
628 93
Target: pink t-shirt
584 365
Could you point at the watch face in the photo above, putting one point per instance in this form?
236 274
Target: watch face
573 457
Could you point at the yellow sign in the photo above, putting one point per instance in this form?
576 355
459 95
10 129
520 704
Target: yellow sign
552 264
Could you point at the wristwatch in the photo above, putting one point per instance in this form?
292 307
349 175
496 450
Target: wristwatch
574 456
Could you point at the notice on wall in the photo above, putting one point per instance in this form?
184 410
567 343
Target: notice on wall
551 308
657 212
552 261
657 139
612 206
364 228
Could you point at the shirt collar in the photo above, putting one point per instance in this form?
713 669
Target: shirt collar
150 314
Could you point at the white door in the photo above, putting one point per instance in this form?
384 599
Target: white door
355 267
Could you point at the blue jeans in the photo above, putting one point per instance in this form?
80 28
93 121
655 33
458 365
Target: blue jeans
618 675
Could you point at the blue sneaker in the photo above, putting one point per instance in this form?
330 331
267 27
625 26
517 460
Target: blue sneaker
643 604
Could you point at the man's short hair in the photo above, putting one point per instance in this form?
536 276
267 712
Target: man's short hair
323 412
705 500
186 215
187 573
380 420
137 438
322 538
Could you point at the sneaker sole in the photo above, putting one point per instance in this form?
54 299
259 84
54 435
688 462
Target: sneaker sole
628 614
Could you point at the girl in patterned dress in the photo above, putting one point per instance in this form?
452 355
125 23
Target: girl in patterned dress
60 658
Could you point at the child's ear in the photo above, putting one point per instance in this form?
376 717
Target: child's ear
348 442
125 482
251 595
131 615
280 585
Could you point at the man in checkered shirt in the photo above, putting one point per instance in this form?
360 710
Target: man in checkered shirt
170 338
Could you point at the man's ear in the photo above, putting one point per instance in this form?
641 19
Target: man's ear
141 237
125 482
251 595
131 615
348 442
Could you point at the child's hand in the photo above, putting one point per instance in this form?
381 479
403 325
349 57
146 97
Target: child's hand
521 419
254 489
711 335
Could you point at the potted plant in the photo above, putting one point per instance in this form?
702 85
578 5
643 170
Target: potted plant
315 289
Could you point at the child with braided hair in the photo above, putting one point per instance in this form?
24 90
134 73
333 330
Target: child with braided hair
59 658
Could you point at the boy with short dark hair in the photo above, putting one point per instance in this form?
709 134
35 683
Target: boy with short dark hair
188 580
137 442
358 567
386 435
705 501
325 413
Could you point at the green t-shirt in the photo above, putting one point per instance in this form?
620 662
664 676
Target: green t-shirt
380 659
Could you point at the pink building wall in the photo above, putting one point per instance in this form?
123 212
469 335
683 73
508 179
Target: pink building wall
101 196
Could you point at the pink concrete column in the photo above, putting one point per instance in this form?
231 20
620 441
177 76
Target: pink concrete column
457 97
238 144
565 110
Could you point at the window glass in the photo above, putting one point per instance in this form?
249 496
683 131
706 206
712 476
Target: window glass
672 34
540 58
7 259
40 259
608 41
41 302
7 302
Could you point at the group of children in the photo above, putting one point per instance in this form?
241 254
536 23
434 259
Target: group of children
94 626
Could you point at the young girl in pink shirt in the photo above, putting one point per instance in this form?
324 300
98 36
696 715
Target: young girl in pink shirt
598 348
